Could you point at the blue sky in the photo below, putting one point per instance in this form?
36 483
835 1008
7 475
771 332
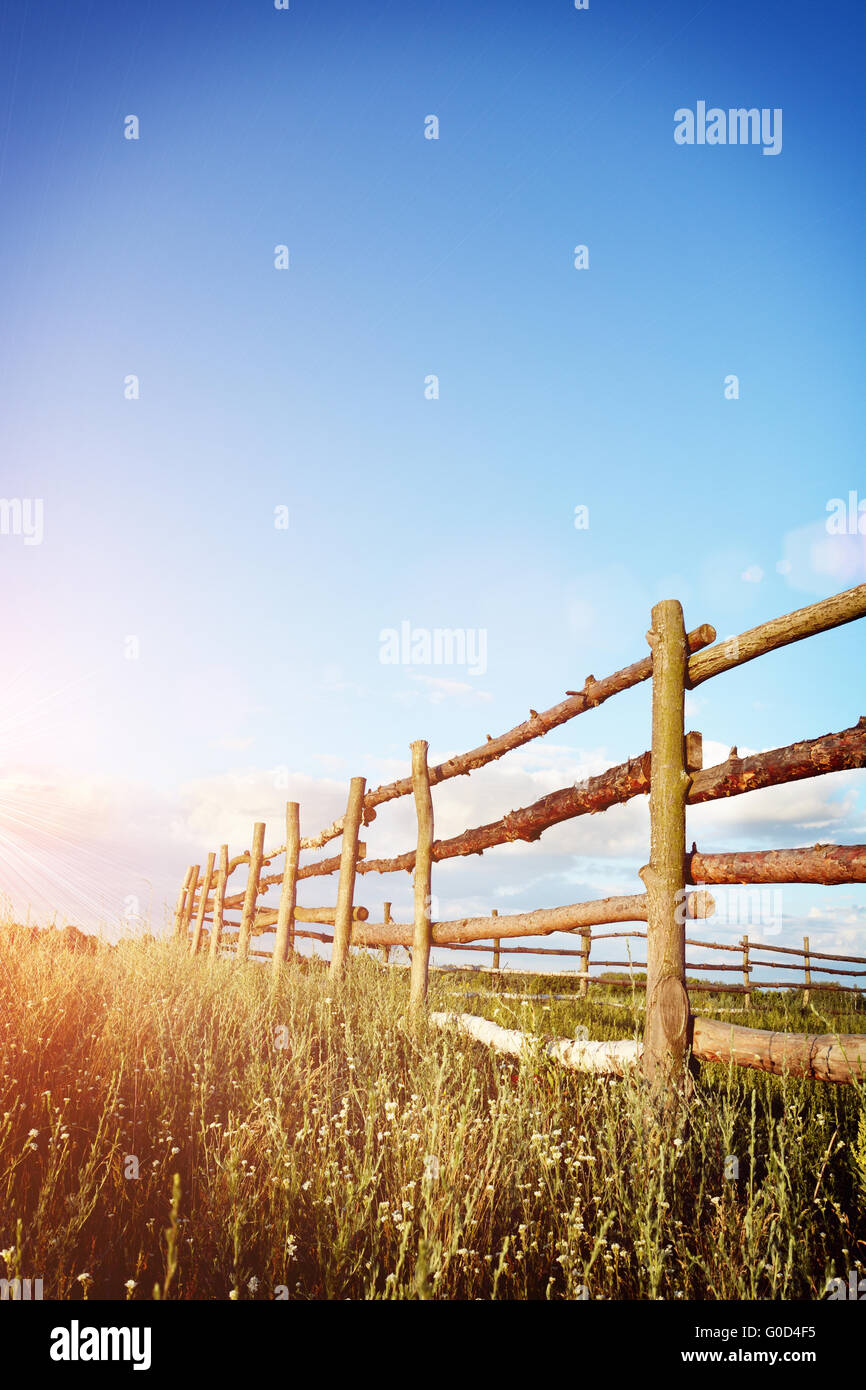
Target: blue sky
305 388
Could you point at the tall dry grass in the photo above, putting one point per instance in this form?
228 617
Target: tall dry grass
167 1126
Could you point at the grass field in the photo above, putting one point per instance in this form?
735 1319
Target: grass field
189 1131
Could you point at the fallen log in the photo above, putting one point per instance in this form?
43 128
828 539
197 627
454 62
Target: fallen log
834 752
608 1057
826 864
840 1058
823 1057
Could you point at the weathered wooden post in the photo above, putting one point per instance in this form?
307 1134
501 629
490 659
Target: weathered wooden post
494 912
202 904
219 897
285 937
585 946
346 889
807 973
667 1003
386 950
746 974
423 934
190 899
181 903
248 913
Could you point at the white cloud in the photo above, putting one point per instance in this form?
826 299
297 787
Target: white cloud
440 688
818 562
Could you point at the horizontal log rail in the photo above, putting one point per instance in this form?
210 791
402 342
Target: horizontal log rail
231 939
711 988
833 752
778 632
593 693
837 752
633 984
824 864
799 951
541 922
544 921
822 1057
697 660
301 914
705 661
816 969
266 917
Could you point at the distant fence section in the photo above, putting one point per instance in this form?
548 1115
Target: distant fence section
670 772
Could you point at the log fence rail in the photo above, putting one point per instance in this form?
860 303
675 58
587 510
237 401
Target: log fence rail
670 772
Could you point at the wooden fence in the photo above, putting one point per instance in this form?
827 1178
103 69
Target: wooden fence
671 772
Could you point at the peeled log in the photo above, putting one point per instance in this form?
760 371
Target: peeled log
778 632
840 1058
540 922
825 864
823 1057
267 916
609 1057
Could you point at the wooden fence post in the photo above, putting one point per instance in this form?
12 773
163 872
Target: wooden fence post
746 975
248 913
807 973
585 947
386 950
285 937
190 899
202 904
494 912
219 897
423 933
667 1003
346 889
181 904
